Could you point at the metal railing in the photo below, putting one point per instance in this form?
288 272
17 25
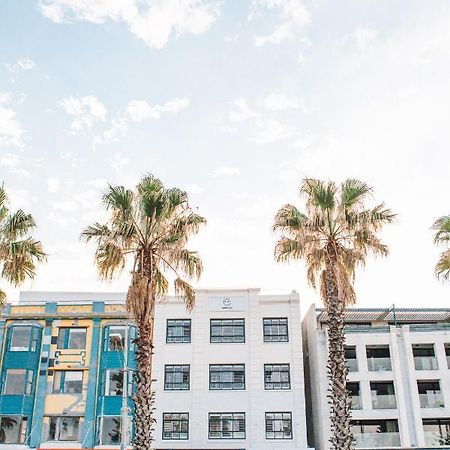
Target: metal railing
372 440
426 363
431 400
379 364
384 402
356 402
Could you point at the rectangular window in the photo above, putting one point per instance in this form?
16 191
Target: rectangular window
63 429
177 378
14 382
71 338
278 425
437 432
383 395
424 357
110 430
378 358
277 377
275 329
227 330
350 358
226 425
376 433
114 382
13 429
227 376
354 392
20 339
175 426
430 394
116 338
178 331
68 382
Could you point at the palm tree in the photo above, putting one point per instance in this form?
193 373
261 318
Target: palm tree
333 237
442 237
150 226
19 252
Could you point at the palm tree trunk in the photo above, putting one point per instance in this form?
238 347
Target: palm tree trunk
144 397
341 435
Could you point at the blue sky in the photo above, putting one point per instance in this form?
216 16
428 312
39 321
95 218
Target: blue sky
235 101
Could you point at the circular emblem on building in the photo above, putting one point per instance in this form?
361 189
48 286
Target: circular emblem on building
226 301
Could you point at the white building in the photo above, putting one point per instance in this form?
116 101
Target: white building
230 374
399 377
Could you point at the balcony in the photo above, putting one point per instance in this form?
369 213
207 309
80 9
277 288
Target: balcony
434 439
384 402
352 365
374 440
426 363
379 364
356 402
431 400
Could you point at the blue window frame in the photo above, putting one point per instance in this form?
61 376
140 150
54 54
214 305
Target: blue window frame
114 338
17 382
23 338
71 338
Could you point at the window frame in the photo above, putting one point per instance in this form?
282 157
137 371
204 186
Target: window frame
232 432
269 337
14 328
58 420
222 383
289 420
101 421
276 382
21 429
28 381
182 341
179 421
62 382
232 337
166 383
67 339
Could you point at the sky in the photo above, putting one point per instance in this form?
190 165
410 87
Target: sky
235 101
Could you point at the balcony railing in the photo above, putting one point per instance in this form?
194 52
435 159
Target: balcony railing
356 402
426 363
384 402
352 365
373 440
431 400
434 439
448 361
379 364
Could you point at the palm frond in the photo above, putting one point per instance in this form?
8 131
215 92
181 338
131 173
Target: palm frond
97 232
353 193
17 225
442 227
109 259
2 298
442 269
186 292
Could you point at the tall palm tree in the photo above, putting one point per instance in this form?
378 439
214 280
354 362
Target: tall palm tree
19 252
442 237
150 226
333 236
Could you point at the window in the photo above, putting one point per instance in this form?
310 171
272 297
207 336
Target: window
177 378
430 394
63 429
178 331
67 382
350 358
275 330
278 425
354 392
71 338
116 338
447 354
378 358
376 433
424 357
13 429
110 430
20 339
14 382
226 376
227 330
437 432
383 395
114 382
226 426
277 377
175 426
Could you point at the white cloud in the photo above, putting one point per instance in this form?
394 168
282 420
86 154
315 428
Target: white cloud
11 130
53 185
364 37
272 130
153 21
225 171
281 102
20 198
293 15
86 111
13 163
22 64
241 111
118 161
194 189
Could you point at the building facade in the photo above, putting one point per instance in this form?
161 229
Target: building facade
228 376
399 377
